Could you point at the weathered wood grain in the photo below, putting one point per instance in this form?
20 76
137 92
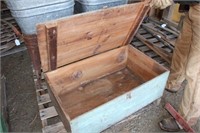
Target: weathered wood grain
145 68
76 74
84 35
93 94
43 99
48 113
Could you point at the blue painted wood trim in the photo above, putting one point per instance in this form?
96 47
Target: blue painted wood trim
121 107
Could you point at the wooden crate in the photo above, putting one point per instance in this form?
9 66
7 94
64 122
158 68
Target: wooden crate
95 78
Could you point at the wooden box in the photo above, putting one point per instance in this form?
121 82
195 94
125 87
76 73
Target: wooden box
95 78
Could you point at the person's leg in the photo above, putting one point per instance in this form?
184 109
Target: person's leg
190 105
180 55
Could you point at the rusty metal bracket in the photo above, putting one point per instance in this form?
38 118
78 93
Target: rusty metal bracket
52 47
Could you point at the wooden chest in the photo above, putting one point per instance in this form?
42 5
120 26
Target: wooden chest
95 78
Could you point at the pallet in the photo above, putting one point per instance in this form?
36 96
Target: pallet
7 35
171 35
47 111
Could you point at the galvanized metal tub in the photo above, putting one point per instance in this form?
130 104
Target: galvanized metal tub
27 4
37 11
90 5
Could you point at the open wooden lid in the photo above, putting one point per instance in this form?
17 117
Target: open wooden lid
71 39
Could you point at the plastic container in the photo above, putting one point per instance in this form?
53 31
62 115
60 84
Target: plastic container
91 5
38 11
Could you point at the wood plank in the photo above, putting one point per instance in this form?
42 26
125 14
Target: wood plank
145 68
147 36
171 23
42 89
48 113
159 44
55 128
142 31
43 99
153 40
43 47
78 73
87 49
90 33
151 54
138 44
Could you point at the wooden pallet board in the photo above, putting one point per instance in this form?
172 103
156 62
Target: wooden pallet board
44 99
55 128
48 113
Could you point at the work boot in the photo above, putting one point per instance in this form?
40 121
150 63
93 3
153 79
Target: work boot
169 125
174 88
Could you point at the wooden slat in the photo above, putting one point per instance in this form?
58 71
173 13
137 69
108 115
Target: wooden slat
43 99
143 48
48 113
84 35
55 128
121 107
166 29
159 59
40 90
138 44
142 31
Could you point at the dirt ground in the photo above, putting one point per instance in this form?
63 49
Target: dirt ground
23 108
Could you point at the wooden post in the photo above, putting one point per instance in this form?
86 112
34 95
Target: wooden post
32 46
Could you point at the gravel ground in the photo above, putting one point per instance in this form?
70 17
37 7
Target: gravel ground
23 108
21 95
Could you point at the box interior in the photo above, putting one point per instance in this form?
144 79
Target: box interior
87 84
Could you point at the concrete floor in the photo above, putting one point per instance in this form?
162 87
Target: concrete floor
23 108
